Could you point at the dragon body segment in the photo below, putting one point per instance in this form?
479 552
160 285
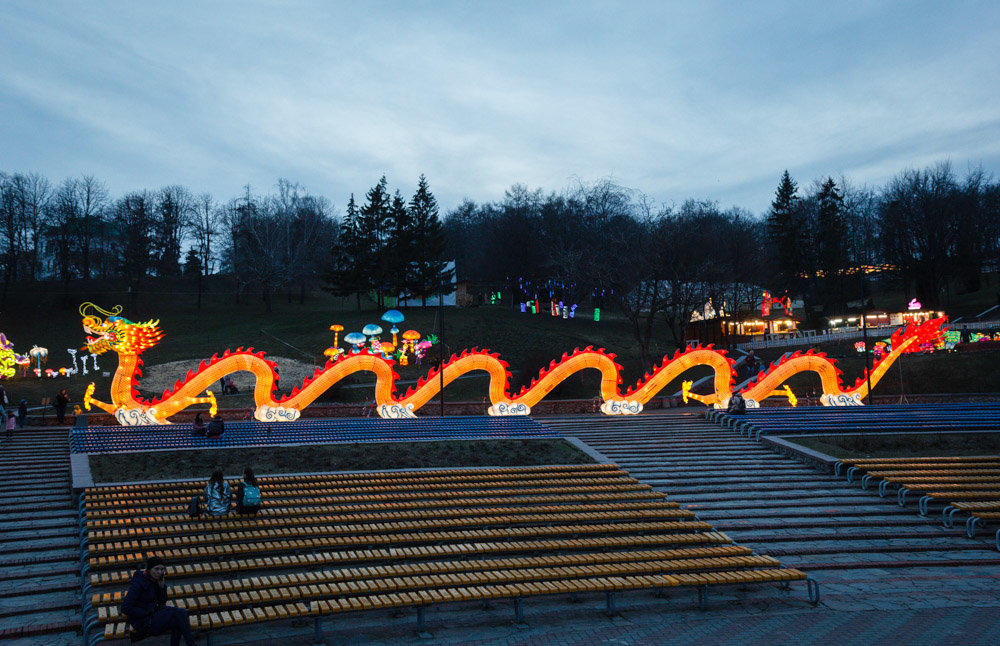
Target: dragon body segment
128 340
834 393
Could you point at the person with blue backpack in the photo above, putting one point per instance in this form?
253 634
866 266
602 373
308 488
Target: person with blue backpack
248 494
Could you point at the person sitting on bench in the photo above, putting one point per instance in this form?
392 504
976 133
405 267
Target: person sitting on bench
218 495
145 606
216 427
737 405
248 494
198 428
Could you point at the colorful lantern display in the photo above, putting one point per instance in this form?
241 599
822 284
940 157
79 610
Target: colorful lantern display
393 317
8 358
357 339
128 340
336 328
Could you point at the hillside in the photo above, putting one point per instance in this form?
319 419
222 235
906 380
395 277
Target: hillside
295 335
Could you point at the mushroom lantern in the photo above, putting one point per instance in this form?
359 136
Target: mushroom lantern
372 330
394 317
410 338
336 328
357 339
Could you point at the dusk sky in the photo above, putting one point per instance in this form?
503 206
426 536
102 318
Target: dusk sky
705 100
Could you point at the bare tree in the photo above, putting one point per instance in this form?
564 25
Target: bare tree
174 211
133 219
92 199
206 222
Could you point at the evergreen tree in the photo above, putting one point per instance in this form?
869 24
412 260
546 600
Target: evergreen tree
786 231
831 228
429 267
192 263
350 258
400 246
373 236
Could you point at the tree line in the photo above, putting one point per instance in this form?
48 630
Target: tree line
285 243
929 232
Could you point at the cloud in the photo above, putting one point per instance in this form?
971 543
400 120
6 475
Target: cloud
706 101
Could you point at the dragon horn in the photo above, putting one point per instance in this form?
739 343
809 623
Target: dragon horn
87 305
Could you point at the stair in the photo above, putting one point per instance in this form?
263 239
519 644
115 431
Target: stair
848 538
40 551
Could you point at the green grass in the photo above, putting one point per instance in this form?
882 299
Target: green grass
326 458
903 445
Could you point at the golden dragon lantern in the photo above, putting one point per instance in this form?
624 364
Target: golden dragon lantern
108 331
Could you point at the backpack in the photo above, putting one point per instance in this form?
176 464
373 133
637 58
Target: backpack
251 495
194 510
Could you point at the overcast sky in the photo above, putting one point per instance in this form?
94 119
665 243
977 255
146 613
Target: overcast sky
705 100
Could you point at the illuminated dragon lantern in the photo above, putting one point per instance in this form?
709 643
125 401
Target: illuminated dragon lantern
129 340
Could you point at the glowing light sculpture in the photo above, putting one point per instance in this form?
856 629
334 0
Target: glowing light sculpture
394 317
8 358
129 339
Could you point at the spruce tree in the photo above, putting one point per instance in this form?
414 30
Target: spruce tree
428 244
350 258
373 233
786 231
401 245
831 228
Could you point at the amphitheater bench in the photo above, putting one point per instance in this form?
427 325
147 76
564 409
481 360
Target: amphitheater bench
336 543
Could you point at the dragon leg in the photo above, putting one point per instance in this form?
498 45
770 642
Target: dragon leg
88 399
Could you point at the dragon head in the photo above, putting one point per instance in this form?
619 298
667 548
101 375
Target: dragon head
116 333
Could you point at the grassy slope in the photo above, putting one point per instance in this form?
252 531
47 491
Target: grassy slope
334 457
301 331
905 446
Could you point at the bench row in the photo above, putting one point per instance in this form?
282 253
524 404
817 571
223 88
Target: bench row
210 620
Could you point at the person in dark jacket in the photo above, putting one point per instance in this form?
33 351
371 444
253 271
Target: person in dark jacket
216 427
62 400
145 605
198 428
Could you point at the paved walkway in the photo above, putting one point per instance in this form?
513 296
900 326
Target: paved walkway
40 550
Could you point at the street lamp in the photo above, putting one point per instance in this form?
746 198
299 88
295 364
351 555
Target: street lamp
441 342
864 333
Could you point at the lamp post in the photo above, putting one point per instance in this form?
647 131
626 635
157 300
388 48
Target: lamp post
441 341
864 333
